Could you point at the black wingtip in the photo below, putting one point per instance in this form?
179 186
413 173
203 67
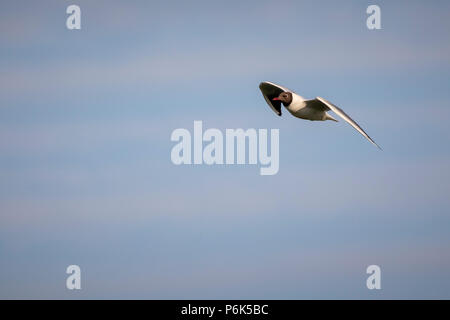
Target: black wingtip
376 145
261 84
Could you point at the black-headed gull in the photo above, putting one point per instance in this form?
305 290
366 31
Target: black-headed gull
314 109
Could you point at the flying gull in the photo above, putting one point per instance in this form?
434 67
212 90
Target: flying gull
314 109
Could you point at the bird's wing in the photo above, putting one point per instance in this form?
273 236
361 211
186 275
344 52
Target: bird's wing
271 90
347 118
316 105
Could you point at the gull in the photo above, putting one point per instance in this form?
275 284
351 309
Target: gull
314 109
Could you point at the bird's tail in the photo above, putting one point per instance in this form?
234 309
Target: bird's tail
328 117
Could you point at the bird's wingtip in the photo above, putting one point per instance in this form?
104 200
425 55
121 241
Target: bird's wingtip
377 146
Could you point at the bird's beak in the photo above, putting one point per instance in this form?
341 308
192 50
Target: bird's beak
276 99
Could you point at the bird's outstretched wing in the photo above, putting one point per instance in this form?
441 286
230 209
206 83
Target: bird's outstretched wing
347 118
271 90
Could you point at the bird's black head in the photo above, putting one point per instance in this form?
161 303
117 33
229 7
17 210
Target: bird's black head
285 98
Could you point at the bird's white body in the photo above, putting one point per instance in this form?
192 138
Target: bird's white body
300 108
312 109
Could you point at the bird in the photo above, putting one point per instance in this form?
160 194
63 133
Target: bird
313 109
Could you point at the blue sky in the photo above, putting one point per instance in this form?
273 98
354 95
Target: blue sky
85 170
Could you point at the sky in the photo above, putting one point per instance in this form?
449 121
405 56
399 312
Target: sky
86 176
